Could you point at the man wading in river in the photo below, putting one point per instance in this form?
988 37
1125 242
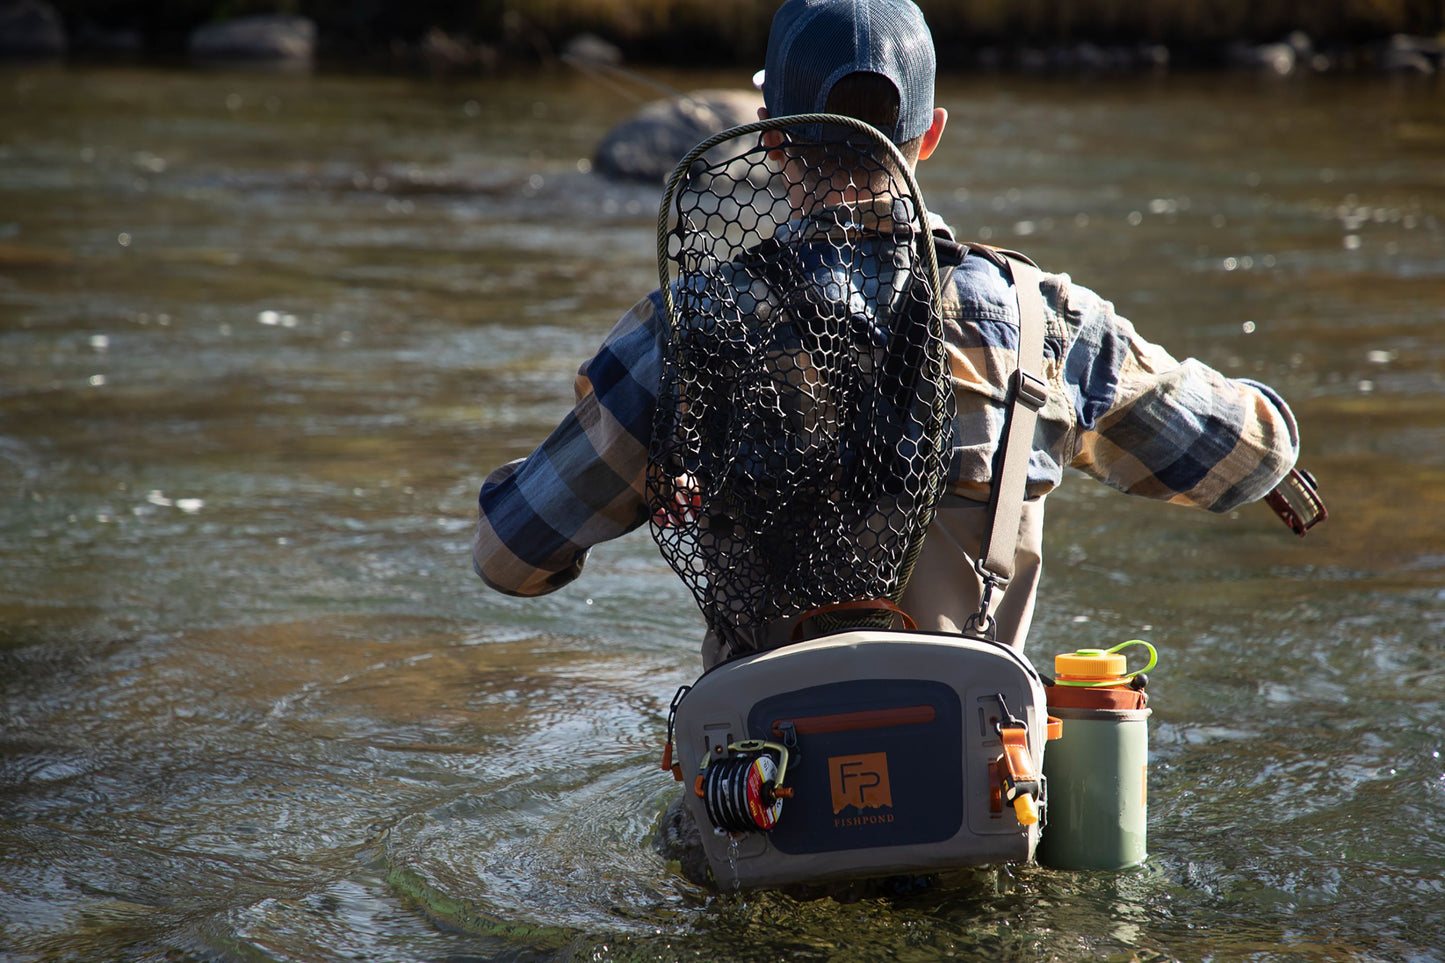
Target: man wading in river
1118 407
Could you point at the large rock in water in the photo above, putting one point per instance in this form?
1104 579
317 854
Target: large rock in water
30 28
259 38
648 145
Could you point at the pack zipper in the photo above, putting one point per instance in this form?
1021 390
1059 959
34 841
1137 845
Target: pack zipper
847 721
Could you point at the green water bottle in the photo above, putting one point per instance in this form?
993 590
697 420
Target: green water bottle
1097 773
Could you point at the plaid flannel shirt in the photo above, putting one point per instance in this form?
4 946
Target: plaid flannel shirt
1120 409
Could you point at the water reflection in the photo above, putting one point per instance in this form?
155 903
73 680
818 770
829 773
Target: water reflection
261 336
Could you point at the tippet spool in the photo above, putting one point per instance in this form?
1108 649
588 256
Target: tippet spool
742 792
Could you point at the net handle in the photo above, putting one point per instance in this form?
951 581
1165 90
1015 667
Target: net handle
680 172
857 605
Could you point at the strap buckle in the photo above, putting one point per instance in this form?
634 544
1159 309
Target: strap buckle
1031 390
1296 500
981 623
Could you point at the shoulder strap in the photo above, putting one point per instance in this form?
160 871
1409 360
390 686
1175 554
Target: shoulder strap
950 253
1027 394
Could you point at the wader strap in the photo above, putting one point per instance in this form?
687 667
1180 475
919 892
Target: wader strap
1027 394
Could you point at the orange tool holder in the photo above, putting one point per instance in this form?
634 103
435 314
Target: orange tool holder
1014 771
1017 778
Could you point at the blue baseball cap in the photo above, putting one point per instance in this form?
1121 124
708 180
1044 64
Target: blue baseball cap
815 43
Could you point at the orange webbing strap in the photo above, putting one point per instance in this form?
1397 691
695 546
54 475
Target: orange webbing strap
1027 394
1016 772
853 606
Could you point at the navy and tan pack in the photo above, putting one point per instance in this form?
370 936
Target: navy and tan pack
860 754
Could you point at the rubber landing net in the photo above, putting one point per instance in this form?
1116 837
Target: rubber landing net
803 426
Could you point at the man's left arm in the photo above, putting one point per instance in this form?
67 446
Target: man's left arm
1171 430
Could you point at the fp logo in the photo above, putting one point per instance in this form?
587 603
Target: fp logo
860 781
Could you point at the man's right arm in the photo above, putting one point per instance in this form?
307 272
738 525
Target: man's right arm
539 515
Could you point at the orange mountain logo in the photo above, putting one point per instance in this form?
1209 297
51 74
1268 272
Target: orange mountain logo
860 781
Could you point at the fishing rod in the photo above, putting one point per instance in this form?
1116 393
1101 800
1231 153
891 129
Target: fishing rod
609 73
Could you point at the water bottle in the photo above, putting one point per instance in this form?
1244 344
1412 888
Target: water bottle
1097 772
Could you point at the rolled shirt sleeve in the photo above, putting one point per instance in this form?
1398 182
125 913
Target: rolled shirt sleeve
1181 432
538 516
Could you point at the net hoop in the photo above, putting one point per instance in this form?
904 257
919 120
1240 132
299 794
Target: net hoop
679 175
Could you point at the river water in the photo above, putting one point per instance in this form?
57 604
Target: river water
262 336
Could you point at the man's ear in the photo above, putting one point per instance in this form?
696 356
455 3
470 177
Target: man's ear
772 139
934 133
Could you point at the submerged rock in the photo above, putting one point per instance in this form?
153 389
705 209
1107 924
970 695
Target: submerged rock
259 38
443 52
30 28
1404 54
1278 59
592 49
648 145
1074 58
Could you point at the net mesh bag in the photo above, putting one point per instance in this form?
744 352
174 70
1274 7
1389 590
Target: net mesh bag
803 423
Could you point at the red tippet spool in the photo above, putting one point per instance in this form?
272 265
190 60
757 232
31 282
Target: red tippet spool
738 792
